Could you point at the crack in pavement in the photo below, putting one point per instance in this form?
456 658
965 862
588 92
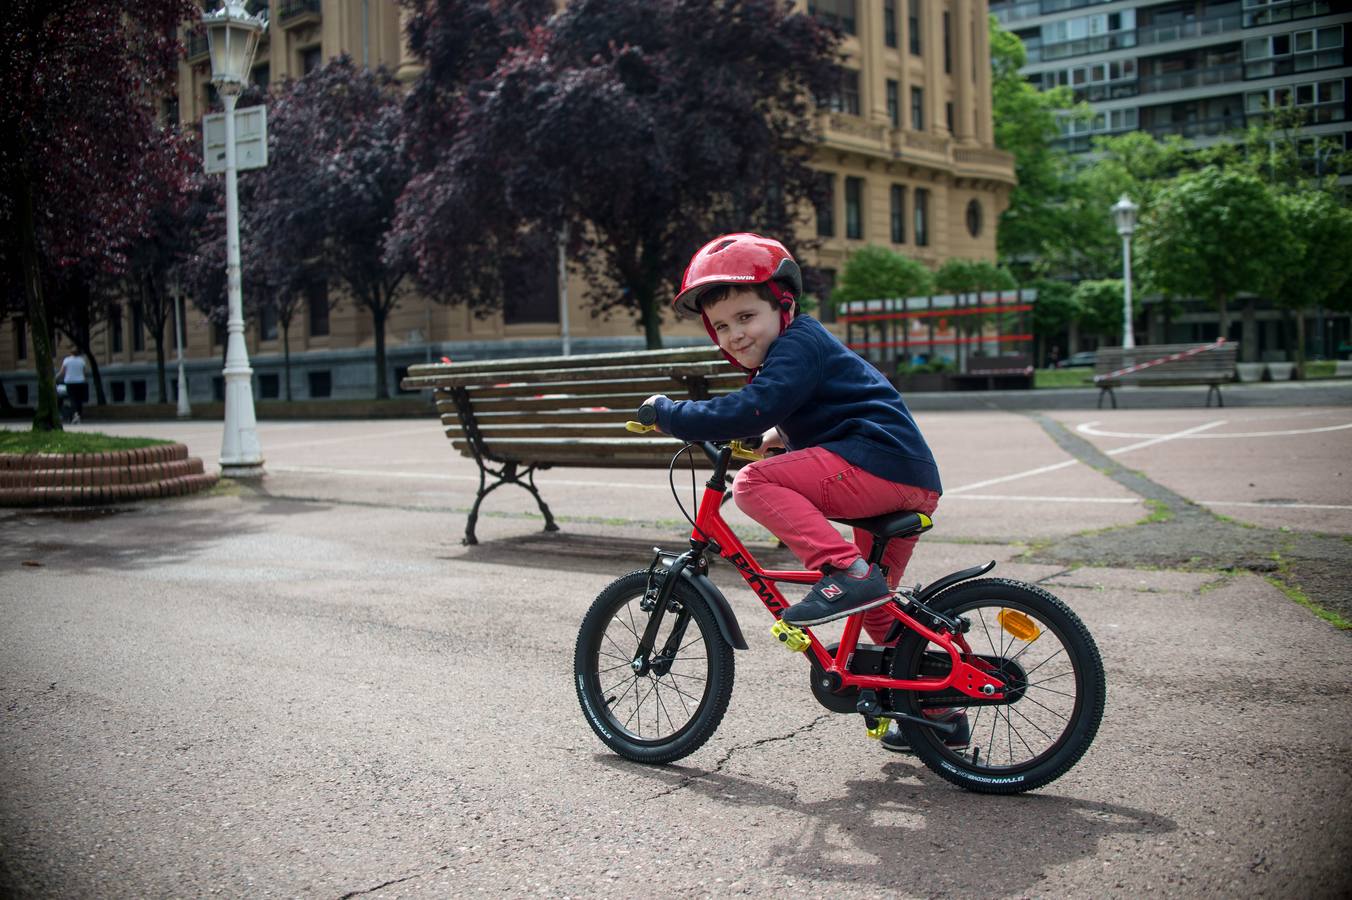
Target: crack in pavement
378 887
1192 537
686 780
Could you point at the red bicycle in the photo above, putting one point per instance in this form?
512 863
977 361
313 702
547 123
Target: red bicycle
654 663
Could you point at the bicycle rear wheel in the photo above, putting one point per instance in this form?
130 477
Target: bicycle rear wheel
1054 688
665 713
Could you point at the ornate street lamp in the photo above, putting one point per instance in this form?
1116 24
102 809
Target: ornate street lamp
232 36
1124 213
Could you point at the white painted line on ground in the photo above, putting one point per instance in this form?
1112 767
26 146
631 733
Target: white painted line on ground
1160 439
1038 471
1249 504
1088 428
1029 498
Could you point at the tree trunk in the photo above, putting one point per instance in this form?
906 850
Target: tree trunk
47 416
1248 336
1073 338
1223 314
4 398
650 316
286 356
1300 344
378 317
159 364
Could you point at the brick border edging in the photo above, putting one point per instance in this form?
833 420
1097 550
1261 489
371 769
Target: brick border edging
85 479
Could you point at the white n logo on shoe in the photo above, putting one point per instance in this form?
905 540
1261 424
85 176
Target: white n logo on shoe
832 591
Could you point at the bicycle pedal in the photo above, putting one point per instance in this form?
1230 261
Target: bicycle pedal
791 636
877 730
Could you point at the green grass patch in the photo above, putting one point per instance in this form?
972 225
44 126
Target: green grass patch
1159 512
70 442
1063 378
1321 368
1299 596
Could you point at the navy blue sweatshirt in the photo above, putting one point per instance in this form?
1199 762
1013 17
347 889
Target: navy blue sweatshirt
820 394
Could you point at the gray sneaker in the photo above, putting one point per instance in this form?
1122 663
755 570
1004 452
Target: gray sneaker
838 595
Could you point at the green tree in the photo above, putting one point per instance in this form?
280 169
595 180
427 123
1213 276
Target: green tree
964 278
1025 126
1099 305
1317 262
875 273
1214 233
1055 311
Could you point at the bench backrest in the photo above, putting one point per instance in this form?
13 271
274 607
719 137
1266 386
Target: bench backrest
1009 362
568 410
1214 363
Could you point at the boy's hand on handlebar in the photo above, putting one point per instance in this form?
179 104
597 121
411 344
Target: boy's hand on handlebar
647 413
771 440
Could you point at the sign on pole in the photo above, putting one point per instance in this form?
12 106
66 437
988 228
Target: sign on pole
251 140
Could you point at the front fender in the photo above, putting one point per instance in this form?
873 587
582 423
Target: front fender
722 610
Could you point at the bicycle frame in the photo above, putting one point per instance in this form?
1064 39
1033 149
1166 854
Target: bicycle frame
975 679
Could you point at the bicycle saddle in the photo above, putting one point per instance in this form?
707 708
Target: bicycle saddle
891 525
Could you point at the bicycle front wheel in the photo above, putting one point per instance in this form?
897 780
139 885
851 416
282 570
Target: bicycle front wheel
669 711
1054 691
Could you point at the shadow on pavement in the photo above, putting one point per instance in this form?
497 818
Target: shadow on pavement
927 838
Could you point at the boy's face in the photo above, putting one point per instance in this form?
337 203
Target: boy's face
745 324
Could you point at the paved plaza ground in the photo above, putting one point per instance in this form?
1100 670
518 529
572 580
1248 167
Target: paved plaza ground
310 687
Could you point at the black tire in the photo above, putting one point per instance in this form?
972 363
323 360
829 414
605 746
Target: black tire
651 718
1056 700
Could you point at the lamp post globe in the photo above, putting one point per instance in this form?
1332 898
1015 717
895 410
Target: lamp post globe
1124 215
232 37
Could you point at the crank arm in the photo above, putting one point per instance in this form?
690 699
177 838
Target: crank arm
924 721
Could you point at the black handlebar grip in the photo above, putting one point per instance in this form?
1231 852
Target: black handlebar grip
647 414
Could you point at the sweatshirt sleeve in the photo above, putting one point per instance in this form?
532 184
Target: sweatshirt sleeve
788 378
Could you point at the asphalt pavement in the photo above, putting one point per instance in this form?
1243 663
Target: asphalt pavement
310 687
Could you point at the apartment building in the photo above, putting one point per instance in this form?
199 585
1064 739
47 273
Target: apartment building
907 160
1197 68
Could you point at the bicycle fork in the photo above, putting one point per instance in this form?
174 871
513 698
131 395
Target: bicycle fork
657 602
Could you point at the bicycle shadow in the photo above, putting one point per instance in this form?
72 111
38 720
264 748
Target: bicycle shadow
928 837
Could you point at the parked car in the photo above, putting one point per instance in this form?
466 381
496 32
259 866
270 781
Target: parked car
1079 360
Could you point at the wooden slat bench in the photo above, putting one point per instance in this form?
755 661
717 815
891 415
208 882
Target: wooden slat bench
1165 364
516 416
1011 372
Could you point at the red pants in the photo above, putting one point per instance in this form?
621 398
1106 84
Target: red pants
795 493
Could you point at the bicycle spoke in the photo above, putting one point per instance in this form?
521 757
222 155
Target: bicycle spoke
1059 651
1051 691
1034 724
1046 707
1045 680
681 695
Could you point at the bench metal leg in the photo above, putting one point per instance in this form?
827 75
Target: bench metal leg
506 475
1216 388
1111 396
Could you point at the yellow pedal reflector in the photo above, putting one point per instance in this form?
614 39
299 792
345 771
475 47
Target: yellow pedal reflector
1017 624
877 731
791 636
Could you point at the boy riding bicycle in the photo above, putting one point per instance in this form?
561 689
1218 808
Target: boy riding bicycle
854 449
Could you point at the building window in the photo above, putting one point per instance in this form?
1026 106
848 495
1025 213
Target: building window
897 207
840 13
826 278
317 307
119 392
893 103
269 386
321 384
948 115
845 98
261 76
267 323
917 109
138 330
913 24
826 205
218 334
922 217
311 58
1269 12
21 394
974 217
218 388
138 391
20 338
854 208
890 22
948 47
1322 101
115 328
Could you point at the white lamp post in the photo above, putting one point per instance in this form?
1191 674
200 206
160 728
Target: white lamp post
1124 212
232 36
184 408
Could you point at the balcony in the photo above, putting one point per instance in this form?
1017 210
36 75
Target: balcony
1199 127
298 12
1111 90
1101 43
1179 31
1191 78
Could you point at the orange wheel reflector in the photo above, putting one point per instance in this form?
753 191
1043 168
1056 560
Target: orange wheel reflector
1017 624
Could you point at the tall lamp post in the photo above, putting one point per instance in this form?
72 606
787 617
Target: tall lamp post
232 36
1124 213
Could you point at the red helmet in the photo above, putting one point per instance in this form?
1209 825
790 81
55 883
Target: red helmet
740 259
